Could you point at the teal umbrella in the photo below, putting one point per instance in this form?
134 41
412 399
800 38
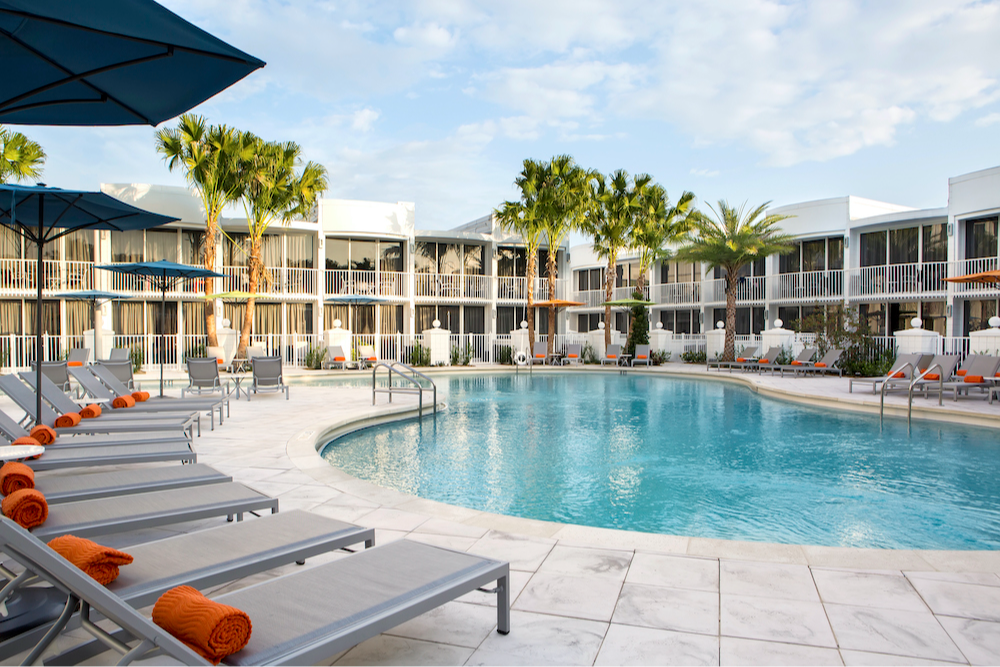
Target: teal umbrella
163 275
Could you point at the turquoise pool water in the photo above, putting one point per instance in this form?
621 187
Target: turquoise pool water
688 457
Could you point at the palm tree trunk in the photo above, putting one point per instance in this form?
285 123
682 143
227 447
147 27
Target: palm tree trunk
213 337
732 281
609 295
531 270
253 263
552 271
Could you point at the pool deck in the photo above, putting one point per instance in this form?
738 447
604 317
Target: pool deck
585 595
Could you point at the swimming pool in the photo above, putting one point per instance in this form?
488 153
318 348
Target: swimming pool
688 457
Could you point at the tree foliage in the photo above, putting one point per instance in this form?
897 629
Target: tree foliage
20 157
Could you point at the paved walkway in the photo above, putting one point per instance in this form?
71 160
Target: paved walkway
594 596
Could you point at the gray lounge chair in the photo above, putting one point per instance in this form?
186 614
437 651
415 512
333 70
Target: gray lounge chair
983 365
805 357
203 377
106 516
119 354
574 355
211 557
335 356
122 371
58 458
748 353
752 364
301 618
940 370
18 392
11 430
64 404
65 488
902 369
267 376
828 364
79 355
641 355
612 355
56 371
539 353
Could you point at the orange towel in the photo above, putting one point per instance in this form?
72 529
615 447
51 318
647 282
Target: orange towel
932 376
15 476
763 361
573 356
123 402
340 359
796 363
101 563
212 629
92 411
539 356
45 435
973 379
67 420
220 361
820 364
27 507
612 356
372 359
741 359
961 372
74 363
640 356
140 396
898 374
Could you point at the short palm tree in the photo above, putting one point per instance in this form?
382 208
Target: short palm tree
524 218
658 224
20 157
734 238
210 156
272 190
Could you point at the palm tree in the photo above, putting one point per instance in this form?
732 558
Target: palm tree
616 202
733 239
272 190
565 206
524 218
658 224
210 156
20 157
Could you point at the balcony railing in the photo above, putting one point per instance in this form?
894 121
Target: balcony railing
751 289
452 286
808 286
898 280
18 275
511 288
677 293
288 281
386 284
965 267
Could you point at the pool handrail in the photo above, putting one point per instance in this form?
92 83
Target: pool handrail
417 388
900 369
918 378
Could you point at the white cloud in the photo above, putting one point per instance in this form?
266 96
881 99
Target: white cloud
988 119
364 119
704 173
430 35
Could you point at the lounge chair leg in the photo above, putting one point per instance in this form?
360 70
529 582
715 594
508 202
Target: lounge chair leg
300 562
503 605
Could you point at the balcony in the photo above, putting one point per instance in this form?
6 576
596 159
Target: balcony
899 281
749 290
967 266
510 288
385 284
143 286
452 287
278 281
808 286
671 294
17 276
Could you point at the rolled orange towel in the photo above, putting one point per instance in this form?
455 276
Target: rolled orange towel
100 562
763 361
92 411
898 374
15 476
973 379
796 363
123 402
27 507
820 364
67 420
140 396
961 372
339 359
210 628
46 435
932 376
27 440
74 363
741 359
372 358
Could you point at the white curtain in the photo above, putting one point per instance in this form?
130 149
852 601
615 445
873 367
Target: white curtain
128 318
126 246
194 318
300 318
161 245
78 317
80 246
300 251
333 312
10 317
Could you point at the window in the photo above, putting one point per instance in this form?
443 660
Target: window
582 323
542 320
333 312
935 243
686 322
597 279
873 249
10 244
789 316
873 316
814 255
511 262
192 251
449 258
161 245
582 282
475 319
903 245
80 246
10 317
50 318
978 314
474 261
363 255
337 255
392 319
932 313
162 320
126 247
300 318
835 253
194 318
299 251
425 261
981 238
790 263
509 319
391 255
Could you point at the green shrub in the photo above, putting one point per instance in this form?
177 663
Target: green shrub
694 357
639 332
135 356
504 355
589 354
420 355
657 358
314 357
461 357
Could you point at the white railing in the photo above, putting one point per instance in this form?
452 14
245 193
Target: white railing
898 279
589 298
959 345
144 286
808 286
277 280
512 289
967 266
17 351
751 289
677 293
366 283
18 275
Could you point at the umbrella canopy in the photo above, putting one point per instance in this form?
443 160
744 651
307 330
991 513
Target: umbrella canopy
107 62
238 296
42 214
163 274
985 277
558 303
628 303
93 296
355 299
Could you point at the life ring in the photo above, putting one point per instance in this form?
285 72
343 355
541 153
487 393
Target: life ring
520 358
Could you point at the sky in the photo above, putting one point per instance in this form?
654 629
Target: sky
437 102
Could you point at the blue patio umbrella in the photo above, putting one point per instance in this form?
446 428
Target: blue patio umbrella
93 296
42 215
355 300
163 275
107 62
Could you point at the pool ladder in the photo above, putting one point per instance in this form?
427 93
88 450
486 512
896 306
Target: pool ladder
917 378
413 386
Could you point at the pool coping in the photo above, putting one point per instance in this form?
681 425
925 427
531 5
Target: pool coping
303 451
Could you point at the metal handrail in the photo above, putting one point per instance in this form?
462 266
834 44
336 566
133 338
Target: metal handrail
417 388
913 383
885 383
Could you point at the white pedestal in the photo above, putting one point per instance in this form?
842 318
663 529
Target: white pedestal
229 340
105 342
920 341
439 343
659 340
340 337
985 342
777 337
519 342
715 343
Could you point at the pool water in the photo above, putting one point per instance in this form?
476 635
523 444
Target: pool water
688 457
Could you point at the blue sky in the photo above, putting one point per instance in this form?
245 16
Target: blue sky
438 101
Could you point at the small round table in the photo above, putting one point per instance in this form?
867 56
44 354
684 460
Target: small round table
15 452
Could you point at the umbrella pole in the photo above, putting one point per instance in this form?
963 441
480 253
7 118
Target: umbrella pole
93 325
39 344
163 319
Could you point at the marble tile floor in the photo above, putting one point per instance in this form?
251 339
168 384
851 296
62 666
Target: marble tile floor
595 596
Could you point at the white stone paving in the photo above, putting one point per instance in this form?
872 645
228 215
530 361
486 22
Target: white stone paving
585 595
